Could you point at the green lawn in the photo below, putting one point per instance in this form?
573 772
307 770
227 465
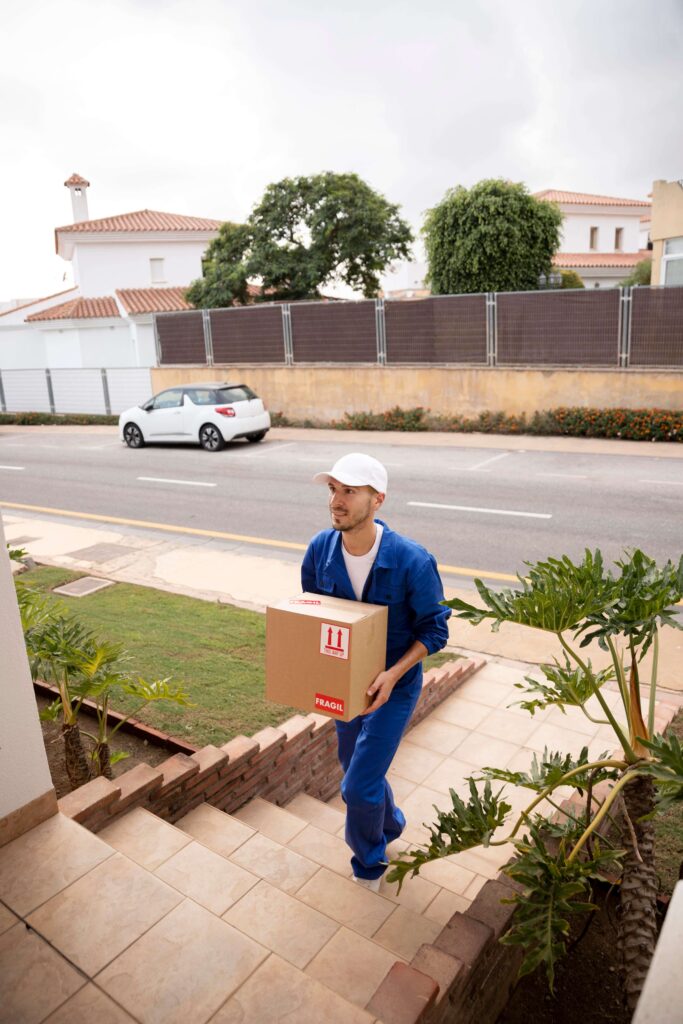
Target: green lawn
215 650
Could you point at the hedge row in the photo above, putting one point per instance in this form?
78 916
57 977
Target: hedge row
39 419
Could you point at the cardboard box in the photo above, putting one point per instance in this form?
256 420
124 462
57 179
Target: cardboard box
323 652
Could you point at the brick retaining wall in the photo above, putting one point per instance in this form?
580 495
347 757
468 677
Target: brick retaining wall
276 764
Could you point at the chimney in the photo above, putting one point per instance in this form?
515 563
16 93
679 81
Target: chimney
78 186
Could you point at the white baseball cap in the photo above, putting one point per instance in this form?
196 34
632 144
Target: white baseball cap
356 470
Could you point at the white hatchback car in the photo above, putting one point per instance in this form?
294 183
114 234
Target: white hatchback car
205 413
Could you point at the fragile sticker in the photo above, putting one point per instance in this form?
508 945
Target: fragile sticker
332 705
303 600
334 640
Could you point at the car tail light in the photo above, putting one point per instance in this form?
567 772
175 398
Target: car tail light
225 410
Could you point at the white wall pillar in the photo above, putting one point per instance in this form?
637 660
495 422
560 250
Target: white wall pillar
27 796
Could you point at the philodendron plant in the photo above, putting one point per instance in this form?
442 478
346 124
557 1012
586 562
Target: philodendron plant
609 820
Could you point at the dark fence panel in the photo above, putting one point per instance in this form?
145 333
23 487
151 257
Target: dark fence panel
656 327
448 329
558 328
248 334
334 332
181 338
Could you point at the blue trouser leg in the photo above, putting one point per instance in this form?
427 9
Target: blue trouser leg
367 745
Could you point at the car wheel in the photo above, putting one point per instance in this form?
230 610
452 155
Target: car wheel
132 435
258 436
210 438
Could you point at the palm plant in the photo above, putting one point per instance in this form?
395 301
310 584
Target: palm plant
557 860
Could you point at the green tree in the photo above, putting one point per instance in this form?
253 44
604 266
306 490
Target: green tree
305 233
492 237
224 270
641 273
570 279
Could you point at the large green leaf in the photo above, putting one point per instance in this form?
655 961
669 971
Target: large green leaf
550 769
564 684
666 769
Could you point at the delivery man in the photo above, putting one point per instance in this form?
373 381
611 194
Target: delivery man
361 558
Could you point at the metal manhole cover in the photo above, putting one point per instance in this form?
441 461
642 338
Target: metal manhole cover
101 552
81 588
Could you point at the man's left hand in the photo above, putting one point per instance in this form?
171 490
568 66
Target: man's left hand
379 692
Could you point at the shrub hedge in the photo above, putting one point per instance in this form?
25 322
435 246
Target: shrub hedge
38 419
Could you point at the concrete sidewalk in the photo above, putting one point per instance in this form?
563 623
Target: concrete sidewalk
215 570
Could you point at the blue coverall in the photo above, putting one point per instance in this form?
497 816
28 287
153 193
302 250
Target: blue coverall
405 578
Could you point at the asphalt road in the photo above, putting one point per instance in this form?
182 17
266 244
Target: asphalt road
488 510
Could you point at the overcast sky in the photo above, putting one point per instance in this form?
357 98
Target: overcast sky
194 107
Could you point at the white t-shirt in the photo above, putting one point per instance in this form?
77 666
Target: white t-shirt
359 566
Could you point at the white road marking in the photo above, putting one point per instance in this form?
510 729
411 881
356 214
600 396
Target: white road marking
486 462
566 476
17 469
271 450
488 511
667 483
165 480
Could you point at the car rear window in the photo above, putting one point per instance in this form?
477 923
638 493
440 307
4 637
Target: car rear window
238 393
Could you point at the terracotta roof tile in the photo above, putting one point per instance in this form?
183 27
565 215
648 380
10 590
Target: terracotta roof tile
153 300
76 179
144 220
552 195
599 259
79 309
34 302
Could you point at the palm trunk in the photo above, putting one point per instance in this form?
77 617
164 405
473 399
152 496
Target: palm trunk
102 758
76 762
638 924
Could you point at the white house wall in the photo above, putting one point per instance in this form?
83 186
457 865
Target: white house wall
101 268
21 347
576 232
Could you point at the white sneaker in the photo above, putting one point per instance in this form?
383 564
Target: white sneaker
372 884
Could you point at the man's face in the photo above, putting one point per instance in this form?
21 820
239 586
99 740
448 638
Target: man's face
351 506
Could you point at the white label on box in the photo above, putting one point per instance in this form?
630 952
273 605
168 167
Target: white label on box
334 640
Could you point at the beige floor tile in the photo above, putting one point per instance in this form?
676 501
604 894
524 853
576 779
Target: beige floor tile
34 978
45 860
444 905
405 931
505 725
337 804
183 969
88 1005
284 868
278 993
441 737
206 877
213 828
573 718
145 838
270 820
503 675
420 813
282 924
451 774
557 737
485 691
475 887
119 901
344 901
486 862
449 874
7 918
400 787
483 751
326 850
352 966
457 710
322 815
416 893
414 763
521 761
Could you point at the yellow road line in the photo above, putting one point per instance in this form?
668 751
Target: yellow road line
449 570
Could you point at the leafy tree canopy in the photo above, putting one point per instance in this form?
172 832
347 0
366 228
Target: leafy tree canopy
641 273
492 237
305 233
570 279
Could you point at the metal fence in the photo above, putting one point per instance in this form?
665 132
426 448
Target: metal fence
76 390
618 327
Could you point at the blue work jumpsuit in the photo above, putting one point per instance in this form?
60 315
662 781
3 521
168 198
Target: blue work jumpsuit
405 578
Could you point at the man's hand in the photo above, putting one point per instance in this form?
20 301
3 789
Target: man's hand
380 691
